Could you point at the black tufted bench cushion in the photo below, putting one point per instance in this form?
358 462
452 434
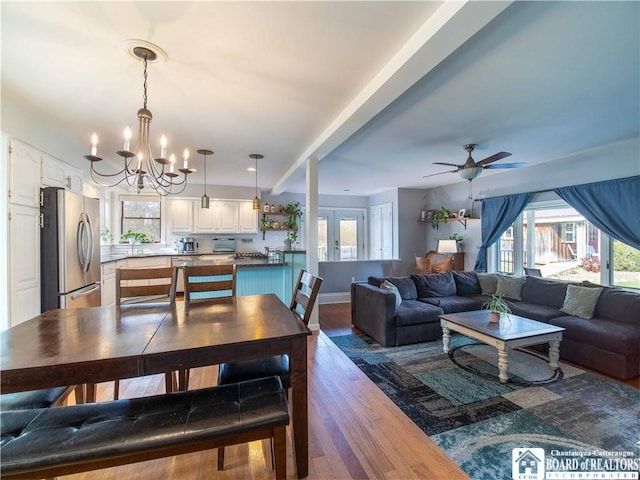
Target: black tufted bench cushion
48 397
47 442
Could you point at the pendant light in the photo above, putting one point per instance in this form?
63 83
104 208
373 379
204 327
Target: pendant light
204 201
256 200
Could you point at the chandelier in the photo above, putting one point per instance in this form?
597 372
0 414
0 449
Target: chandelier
140 168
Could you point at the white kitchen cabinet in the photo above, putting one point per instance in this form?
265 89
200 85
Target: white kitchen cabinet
181 215
108 288
226 216
24 263
56 173
24 175
204 219
247 217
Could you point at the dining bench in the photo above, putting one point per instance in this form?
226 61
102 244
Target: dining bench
47 442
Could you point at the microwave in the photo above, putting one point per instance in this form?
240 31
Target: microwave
224 244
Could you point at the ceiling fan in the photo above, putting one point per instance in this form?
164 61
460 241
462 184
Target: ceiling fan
471 169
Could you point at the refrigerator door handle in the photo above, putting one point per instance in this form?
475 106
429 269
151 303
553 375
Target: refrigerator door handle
83 243
90 245
85 291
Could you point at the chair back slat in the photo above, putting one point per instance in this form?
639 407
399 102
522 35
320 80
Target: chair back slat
305 294
135 291
200 279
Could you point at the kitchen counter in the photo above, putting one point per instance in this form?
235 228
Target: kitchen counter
212 259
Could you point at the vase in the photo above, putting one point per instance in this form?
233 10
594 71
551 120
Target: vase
287 244
494 317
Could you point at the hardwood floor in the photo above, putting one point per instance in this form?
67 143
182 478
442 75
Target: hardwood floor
355 430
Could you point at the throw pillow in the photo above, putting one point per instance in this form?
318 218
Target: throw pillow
581 301
406 287
435 284
488 283
387 285
510 287
467 283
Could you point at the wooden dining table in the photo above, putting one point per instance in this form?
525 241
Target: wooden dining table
98 344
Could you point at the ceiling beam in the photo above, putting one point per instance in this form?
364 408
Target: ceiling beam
452 24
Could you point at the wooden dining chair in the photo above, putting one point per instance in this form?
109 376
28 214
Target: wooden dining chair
137 285
303 300
204 282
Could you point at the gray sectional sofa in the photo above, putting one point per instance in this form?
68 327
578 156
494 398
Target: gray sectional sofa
608 341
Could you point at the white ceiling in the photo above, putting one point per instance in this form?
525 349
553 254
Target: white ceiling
376 90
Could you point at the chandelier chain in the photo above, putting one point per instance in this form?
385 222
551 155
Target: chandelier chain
145 83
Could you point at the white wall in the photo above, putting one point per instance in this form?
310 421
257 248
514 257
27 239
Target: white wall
607 162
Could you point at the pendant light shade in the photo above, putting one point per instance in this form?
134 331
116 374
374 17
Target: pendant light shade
204 201
256 200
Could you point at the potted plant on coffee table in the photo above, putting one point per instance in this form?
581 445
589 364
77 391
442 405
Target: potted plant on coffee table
496 306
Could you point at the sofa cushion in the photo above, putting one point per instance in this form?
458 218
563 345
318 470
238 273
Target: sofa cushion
406 286
611 335
413 312
454 304
580 301
488 283
510 287
617 304
535 311
435 284
467 283
544 291
387 285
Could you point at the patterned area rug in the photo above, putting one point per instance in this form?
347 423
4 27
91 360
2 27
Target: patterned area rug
574 416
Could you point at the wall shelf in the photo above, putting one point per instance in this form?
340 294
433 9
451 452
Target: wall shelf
462 221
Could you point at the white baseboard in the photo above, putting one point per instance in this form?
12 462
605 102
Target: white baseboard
338 297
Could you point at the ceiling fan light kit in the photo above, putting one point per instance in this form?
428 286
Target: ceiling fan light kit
140 168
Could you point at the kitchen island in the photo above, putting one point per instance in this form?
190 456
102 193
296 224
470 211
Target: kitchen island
255 275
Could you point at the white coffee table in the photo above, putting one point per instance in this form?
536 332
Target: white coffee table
512 331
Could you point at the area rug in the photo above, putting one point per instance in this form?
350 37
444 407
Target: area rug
568 422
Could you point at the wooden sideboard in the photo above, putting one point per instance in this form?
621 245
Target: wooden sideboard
434 262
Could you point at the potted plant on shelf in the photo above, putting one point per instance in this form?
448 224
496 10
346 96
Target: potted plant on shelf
496 306
442 215
293 212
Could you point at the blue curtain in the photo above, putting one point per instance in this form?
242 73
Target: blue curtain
498 214
612 206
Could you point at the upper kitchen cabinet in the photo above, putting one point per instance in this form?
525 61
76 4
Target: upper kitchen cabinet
204 220
223 216
181 215
247 217
24 174
226 216
56 173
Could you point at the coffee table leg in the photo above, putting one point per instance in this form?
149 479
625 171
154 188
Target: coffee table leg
554 353
446 337
503 364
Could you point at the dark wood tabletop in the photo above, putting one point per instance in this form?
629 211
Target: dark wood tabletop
90 345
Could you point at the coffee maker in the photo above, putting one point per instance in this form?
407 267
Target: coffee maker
186 245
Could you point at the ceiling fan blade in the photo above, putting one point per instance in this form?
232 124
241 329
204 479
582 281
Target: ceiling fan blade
434 174
506 165
448 164
493 158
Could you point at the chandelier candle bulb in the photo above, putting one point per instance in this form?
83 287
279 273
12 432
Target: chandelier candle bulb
94 144
127 138
163 147
185 157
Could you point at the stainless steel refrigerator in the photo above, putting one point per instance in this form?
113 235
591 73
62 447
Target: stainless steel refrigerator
69 250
